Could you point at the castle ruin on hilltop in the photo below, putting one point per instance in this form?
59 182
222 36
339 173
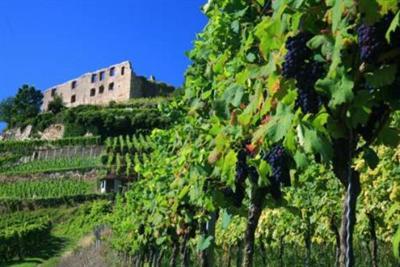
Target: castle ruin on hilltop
117 83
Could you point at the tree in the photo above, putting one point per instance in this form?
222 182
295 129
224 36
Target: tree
27 103
56 105
6 110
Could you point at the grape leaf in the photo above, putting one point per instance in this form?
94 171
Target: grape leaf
389 137
393 26
301 160
313 142
278 127
204 243
387 5
370 10
382 77
371 158
226 219
340 88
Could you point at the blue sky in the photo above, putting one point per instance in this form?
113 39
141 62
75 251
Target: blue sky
46 42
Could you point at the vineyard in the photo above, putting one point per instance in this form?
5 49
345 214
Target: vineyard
120 153
50 166
285 147
44 233
45 189
283 151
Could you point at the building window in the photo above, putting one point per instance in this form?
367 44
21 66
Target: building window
101 76
73 85
101 89
122 70
112 71
53 92
111 86
94 78
73 98
92 92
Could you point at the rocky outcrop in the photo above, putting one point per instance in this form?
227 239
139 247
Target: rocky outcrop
18 134
53 132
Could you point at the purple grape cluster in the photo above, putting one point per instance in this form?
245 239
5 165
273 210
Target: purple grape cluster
372 41
298 53
278 159
300 65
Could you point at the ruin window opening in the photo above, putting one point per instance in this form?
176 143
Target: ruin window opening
94 78
112 71
73 98
92 92
53 92
73 85
101 76
101 89
122 70
111 86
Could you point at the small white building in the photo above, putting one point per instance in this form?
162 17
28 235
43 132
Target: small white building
113 184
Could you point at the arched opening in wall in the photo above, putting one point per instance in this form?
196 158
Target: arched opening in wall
112 71
53 92
73 85
92 92
101 89
73 98
94 78
101 76
122 70
111 87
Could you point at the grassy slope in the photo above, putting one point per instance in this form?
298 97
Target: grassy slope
70 226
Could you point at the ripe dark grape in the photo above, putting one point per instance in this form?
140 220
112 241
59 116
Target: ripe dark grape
297 54
278 159
300 65
309 74
371 38
242 169
308 100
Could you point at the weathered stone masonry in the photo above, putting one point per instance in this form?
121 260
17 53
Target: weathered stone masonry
117 83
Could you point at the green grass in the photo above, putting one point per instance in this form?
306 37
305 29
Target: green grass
46 189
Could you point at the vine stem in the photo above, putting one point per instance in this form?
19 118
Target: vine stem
350 202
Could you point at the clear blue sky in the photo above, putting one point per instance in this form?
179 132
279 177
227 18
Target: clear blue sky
46 42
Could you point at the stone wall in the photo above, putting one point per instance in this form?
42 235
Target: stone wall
116 83
98 88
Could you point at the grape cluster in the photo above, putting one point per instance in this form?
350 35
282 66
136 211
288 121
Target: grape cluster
372 41
278 159
297 54
300 65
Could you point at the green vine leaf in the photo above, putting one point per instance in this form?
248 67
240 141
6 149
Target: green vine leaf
382 77
371 158
279 126
226 219
203 243
393 26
